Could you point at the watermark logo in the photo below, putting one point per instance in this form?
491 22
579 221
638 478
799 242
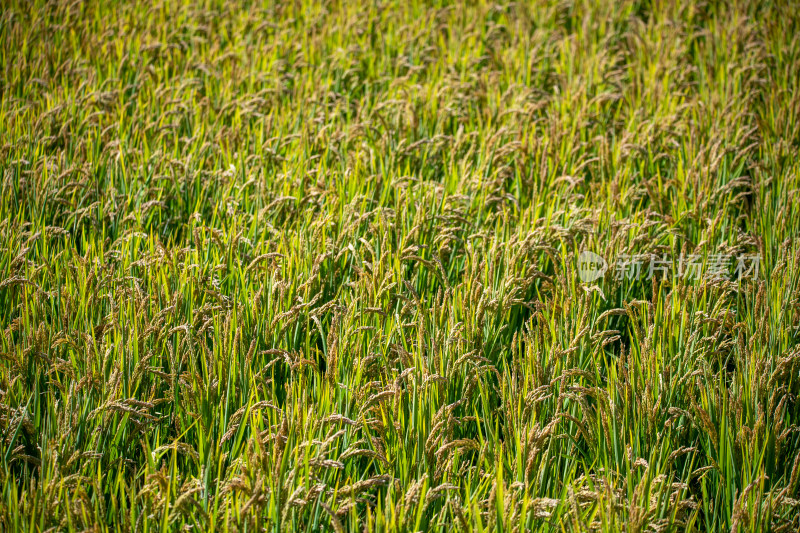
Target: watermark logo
713 266
591 266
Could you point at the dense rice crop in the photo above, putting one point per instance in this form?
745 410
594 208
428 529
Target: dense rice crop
315 266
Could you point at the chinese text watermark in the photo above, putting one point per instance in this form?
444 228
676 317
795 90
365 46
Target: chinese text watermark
692 267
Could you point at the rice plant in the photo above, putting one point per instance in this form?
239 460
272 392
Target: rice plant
321 266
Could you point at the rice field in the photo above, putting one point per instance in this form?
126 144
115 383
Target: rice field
400 266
